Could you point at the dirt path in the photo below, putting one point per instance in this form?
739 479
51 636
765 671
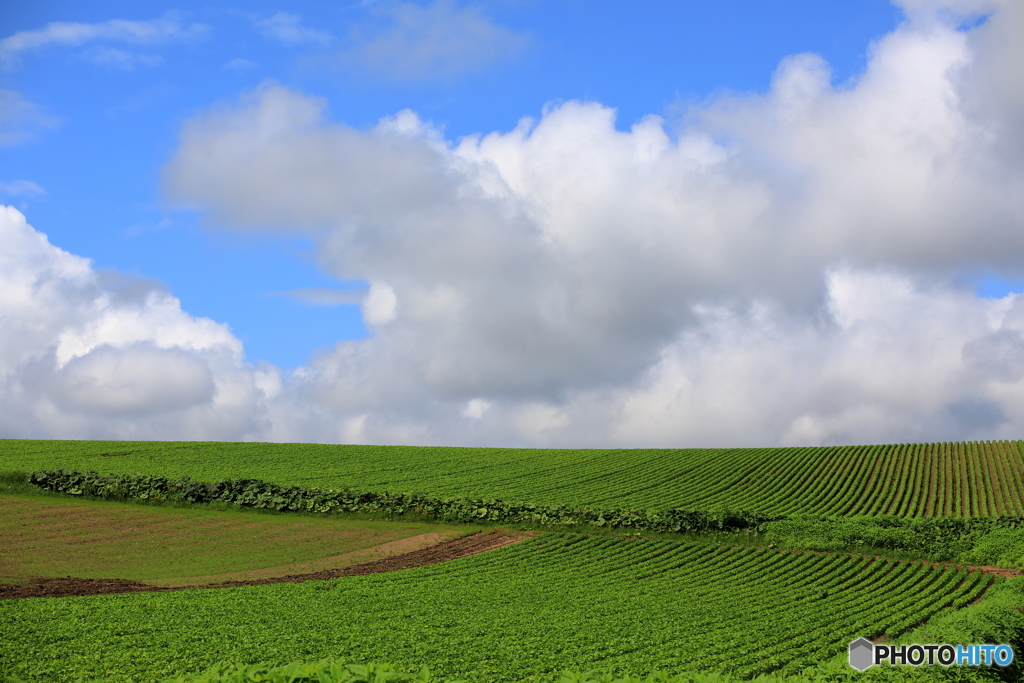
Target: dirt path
50 587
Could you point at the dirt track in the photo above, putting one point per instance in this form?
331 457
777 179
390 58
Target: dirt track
47 587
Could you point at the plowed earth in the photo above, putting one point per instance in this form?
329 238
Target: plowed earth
53 587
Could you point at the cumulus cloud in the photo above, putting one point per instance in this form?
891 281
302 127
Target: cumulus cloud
132 380
436 41
168 28
892 361
769 269
87 354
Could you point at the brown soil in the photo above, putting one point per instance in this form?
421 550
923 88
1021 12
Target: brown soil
440 552
998 571
402 546
52 587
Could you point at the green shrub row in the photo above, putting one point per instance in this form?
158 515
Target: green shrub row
263 495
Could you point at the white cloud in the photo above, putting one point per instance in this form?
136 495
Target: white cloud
154 316
21 120
436 41
168 28
133 380
89 355
288 29
475 408
18 188
778 270
891 362
770 269
380 305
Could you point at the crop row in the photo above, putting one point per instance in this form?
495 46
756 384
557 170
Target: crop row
973 479
553 602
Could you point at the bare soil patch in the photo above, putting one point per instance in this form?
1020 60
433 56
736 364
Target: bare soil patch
57 587
178 546
51 587
385 550
998 571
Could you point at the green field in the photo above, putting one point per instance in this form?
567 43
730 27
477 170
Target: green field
747 603
952 479
553 602
49 536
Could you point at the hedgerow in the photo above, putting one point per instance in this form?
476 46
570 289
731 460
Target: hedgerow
258 494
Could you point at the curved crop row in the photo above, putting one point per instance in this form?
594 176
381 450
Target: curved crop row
975 479
552 602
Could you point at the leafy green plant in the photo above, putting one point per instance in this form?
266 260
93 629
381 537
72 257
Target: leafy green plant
325 671
547 604
974 540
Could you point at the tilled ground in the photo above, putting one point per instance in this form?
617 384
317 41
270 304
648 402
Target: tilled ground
51 587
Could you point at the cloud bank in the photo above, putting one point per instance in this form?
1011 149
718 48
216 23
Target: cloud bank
773 269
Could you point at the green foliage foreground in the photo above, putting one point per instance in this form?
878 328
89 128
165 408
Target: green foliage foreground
549 603
527 611
331 671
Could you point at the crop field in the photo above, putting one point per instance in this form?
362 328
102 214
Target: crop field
549 603
909 480
57 537
771 596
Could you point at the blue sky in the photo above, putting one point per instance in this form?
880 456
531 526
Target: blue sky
515 222
114 109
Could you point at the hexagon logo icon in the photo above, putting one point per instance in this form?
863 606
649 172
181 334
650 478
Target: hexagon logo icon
862 654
